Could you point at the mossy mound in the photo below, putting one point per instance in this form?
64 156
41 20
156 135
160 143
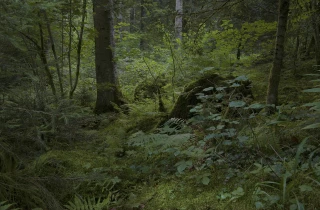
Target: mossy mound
189 97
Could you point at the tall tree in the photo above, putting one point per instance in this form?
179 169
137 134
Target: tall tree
316 26
274 78
106 77
178 20
79 46
142 23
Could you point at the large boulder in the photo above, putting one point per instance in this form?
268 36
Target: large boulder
234 88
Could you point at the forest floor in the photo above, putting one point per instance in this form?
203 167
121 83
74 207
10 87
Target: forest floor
105 151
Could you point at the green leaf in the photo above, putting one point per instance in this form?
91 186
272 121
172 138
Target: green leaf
315 125
241 78
256 106
206 69
205 180
182 165
238 192
305 188
87 166
259 205
243 139
237 104
208 89
313 90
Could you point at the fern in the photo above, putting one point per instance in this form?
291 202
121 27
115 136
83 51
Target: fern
173 126
158 142
88 203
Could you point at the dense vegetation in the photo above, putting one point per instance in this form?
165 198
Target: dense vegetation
157 104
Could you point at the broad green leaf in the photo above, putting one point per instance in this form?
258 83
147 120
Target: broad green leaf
259 205
241 78
312 126
256 106
237 104
208 89
182 165
205 180
305 188
242 139
238 192
313 90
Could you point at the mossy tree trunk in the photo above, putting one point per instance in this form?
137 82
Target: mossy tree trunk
274 78
107 89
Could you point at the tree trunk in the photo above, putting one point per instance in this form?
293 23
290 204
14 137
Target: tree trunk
44 60
107 93
178 20
79 46
296 54
132 19
274 78
316 33
70 45
310 47
53 47
142 24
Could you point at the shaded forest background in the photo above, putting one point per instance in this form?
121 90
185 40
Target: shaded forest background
156 104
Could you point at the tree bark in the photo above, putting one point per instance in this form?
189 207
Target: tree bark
70 45
274 78
316 34
310 47
53 48
142 24
79 46
178 20
44 60
132 19
107 92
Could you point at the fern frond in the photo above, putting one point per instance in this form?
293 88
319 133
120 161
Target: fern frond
88 203
172 126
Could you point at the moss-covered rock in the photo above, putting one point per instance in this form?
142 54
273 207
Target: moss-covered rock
189 98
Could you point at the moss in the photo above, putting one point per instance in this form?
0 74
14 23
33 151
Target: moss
184 193
66 163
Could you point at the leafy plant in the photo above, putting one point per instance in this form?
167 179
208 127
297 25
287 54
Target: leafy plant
291 180
88 203
314 106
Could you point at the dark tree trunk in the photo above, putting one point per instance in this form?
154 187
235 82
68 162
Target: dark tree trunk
142 24
79 46
107 93
316 33
56 61
132 20
274 78
310 47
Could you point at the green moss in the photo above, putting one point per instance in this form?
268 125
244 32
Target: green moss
186 194
66 163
